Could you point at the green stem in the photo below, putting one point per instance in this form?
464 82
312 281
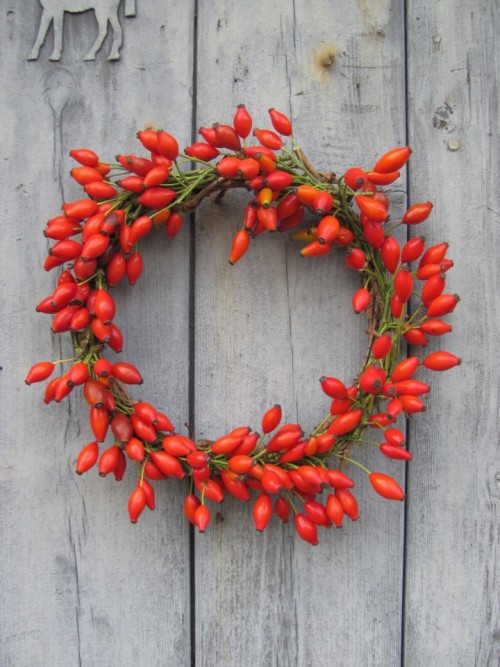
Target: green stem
354 462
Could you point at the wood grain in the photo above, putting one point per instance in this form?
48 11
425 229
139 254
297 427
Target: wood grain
268 328
80 585
452 608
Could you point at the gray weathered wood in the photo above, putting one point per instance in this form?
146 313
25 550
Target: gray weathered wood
79 584
268 328
452 584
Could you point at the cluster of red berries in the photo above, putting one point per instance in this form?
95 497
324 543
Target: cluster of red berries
126 200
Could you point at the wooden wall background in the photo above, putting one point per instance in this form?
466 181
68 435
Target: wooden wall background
413 584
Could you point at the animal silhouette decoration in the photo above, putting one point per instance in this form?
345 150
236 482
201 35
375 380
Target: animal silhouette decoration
106 11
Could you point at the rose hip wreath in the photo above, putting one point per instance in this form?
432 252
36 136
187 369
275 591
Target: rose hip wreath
287 470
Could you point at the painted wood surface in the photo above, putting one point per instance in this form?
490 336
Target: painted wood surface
76 588
414 584
452 613
268 328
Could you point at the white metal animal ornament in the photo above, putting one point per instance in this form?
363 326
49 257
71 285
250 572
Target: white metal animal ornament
105 11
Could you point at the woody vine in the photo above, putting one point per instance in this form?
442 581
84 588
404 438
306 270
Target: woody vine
289 473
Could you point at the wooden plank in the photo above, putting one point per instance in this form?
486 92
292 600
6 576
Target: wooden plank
452 610
79 584
267 329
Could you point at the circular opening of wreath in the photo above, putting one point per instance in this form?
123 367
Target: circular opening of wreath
266 329
284 470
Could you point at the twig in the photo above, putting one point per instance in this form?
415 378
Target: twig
328 177
373 317
221 184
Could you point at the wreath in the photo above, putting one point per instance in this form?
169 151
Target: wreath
96 243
